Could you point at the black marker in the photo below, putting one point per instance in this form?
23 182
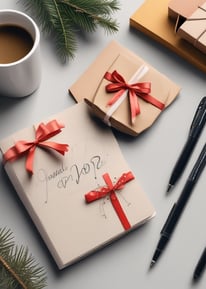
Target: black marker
178 207
196 128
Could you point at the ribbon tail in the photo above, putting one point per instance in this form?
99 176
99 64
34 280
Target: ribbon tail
60 148
30 160
11 154
116 204
91 196
150 99
134 105
96 195
119 211
115 97
19 149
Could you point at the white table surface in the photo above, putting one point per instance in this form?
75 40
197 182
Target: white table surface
125 263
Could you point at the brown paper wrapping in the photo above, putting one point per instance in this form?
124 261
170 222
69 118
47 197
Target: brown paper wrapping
161 28
194 28
183 8
91 87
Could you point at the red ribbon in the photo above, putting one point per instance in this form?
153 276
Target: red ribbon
110 190
42 133
140 89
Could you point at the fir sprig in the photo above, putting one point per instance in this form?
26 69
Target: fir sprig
63 18
18 269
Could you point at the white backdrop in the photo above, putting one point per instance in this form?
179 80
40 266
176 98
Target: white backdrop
125 263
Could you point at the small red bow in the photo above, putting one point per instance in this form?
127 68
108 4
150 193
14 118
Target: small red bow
110 190
42 133
141 89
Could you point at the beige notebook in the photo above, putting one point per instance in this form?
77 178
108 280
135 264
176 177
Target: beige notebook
54 195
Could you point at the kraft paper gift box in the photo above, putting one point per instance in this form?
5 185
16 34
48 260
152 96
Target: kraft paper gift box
79 201
194 28
91 86
152 19
183 8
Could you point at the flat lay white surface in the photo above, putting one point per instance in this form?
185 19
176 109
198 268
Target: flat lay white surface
151 156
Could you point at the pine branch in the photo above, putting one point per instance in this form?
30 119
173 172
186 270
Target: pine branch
89 14
18 269
63 18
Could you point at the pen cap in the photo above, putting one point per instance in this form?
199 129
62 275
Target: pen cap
199 119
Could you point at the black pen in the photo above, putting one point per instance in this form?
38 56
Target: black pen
196 127
178 207
200 266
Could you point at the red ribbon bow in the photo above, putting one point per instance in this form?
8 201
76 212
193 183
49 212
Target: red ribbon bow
110 190
42 133
140 89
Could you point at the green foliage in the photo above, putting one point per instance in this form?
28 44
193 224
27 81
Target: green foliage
18 269
63 18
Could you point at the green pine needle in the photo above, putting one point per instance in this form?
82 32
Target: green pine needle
18 269
63 18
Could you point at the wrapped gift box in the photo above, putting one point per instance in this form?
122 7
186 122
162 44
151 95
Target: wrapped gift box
194 28
161 28
91 86
183 8
57 189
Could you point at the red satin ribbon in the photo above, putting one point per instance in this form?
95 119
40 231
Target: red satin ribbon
141 89
110 190
42 133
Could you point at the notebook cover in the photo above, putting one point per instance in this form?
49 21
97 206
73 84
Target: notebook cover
54 195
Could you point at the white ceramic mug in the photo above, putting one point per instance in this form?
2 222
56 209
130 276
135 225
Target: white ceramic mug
22 77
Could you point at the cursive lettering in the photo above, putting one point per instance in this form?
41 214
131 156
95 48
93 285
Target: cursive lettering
64 175
77 172
57 172
62 183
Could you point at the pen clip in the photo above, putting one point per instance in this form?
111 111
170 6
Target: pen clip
199 117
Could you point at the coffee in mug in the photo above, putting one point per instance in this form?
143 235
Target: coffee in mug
20 69
15 43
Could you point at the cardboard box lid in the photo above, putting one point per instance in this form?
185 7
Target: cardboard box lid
159 27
